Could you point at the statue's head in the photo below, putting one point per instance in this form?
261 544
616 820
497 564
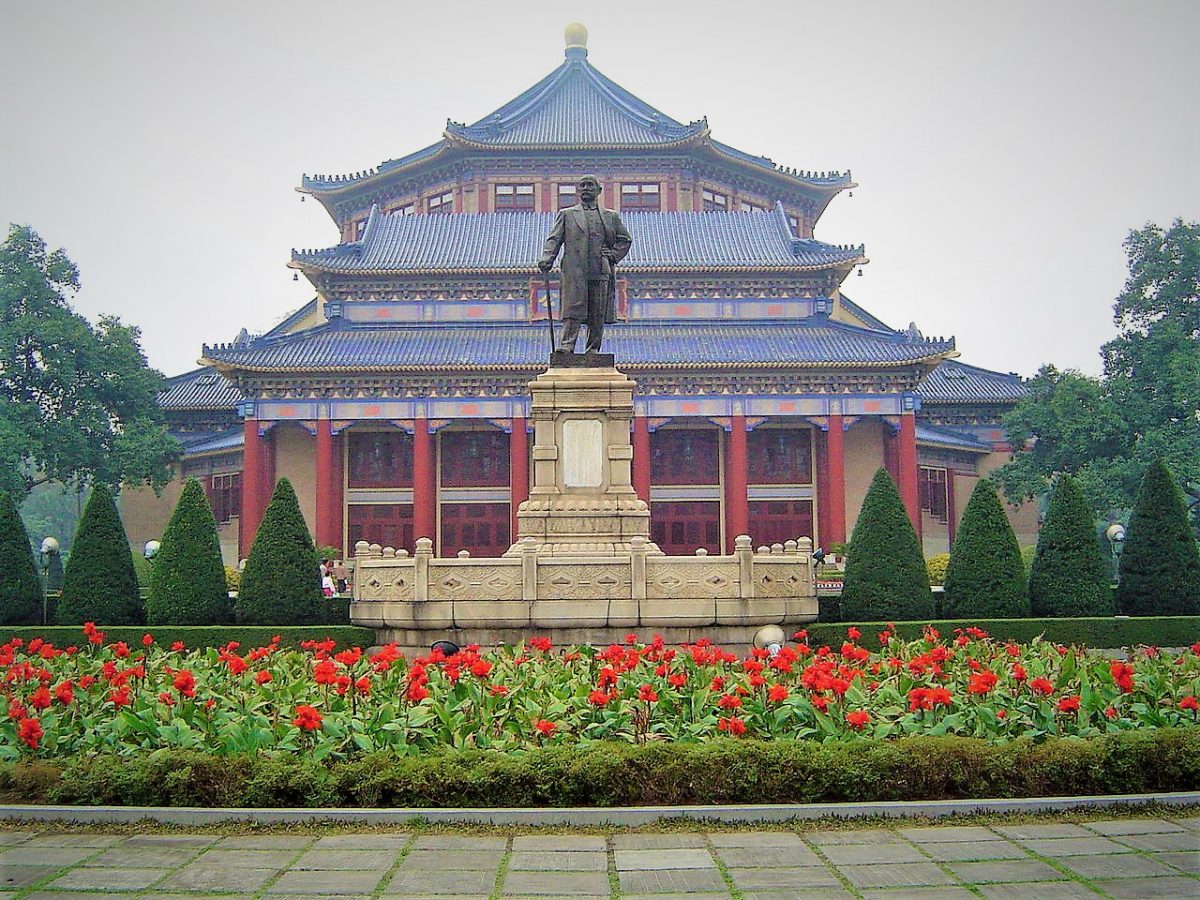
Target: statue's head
588 188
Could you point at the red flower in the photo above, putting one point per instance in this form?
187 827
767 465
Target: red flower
1188 702
86 681
325 672
30 732
1041 686
733 725
166 698
119 697
631 639
599 698
480 668
981 683
262 677
307 717
647 693
236 664
498 690
64 693
416 693
540 643
777 694
1122 674
1068 704
544 727
120 650
1018 672
677 680
858 719
1111 712
729 701
177 647
16 710
821 703
853 633
40 699
147 640
185 683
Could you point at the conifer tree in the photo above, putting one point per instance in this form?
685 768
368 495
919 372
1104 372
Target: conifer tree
886 577
281 584
1070 576
20 589
986 577
1160 564
99 584
187 581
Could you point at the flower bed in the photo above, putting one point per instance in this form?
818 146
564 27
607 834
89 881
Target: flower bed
106 697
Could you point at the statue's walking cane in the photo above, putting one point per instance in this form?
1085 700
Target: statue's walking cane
550 312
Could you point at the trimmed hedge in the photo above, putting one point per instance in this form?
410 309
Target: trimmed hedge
985 577
1098 633
100 584
1070 575
606 775
1160 564
187 584
20 587
197 636
281 584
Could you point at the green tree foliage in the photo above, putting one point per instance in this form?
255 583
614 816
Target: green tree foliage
1070 576
187 581
885 571
281 584
99 584
986 577
20 589
80 401
1107 432
1160 565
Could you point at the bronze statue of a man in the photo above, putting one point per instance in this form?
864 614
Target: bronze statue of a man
593 240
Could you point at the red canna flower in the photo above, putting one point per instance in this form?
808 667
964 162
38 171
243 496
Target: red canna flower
363 685
498 690
185 683
732 724
1018 673
86 681
1189 702
40 699
178 647
981 683
119 697
821 703
147 640
777 694
30 732
480 668
120 650
1068 704
544 727
16 710
1041 686
307 718
729 701
1122 674
262 677
853 633
600 698
647 693
677 679
325 672
416 693
858 719
64 693
631 639
1111 712
540 643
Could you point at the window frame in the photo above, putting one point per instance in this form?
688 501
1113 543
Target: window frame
440 204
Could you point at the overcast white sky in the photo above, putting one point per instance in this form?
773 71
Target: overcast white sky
1003 150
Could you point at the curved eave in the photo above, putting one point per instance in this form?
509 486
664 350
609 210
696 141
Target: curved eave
336 189
950 445
832 188
692 139
847 264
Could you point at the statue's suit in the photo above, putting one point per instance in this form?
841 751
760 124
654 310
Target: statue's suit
570 233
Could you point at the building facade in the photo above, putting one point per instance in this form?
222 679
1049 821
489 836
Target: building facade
396 400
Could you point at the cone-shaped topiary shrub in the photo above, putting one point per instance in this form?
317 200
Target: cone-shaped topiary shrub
1070 576
986 577
281 584
885 571
99 584
1160 564
20 590
187 583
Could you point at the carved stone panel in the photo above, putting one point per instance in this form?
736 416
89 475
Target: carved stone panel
584 581
494 580
677 577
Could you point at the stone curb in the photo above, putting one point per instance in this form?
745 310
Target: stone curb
629 816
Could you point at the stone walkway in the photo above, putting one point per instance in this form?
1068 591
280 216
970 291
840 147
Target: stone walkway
1130 858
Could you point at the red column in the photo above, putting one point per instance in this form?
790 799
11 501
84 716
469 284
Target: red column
836 445
424 485
326 533
906 458
821 454
737 501
252 502
482 192
518 467
641 457
951 507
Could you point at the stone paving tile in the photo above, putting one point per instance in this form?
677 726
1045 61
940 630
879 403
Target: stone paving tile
1192 822
681 881
1037 890
248 859
127 879
757 839
206 876
1150 888
1126 865
866 836
264 842
692 896
1134 826
324 858
46 856
925 893
556 884
75 895
559 842
74 840
629 860
1174 841
769 857
363 842
1042 832
297 897
460 882
1184 859
447 860
861 854
1075 847
459 842
1005 870
13 877
656 841
8 838
171 840
780 879
899 875
144 857
314 883
558 861
824 893
180 896
938 834
973 850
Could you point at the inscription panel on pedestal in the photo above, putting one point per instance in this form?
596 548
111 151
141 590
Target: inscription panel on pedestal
582 453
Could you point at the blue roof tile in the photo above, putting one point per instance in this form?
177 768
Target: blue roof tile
195 443
513 241
199 389
947 437
956 382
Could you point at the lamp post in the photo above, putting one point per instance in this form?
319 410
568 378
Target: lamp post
49 551
771 638
1116 543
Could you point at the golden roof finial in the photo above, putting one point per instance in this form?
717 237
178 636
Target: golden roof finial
576 37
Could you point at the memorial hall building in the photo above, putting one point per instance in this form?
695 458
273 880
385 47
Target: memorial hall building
396 400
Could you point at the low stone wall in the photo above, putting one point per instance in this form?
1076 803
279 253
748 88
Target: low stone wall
580 599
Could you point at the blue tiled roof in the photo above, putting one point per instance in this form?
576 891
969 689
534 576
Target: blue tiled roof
946 437
860 313
195 443
199 389
513 241
806 342
956 382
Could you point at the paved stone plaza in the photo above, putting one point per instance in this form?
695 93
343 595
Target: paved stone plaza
1128 858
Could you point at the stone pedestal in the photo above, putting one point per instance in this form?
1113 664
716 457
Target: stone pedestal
582 501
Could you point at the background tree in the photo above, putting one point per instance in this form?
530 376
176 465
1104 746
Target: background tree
1160 565
1070 576
20 589
99 584
986 577
281 584
187 579
80 400
885 571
